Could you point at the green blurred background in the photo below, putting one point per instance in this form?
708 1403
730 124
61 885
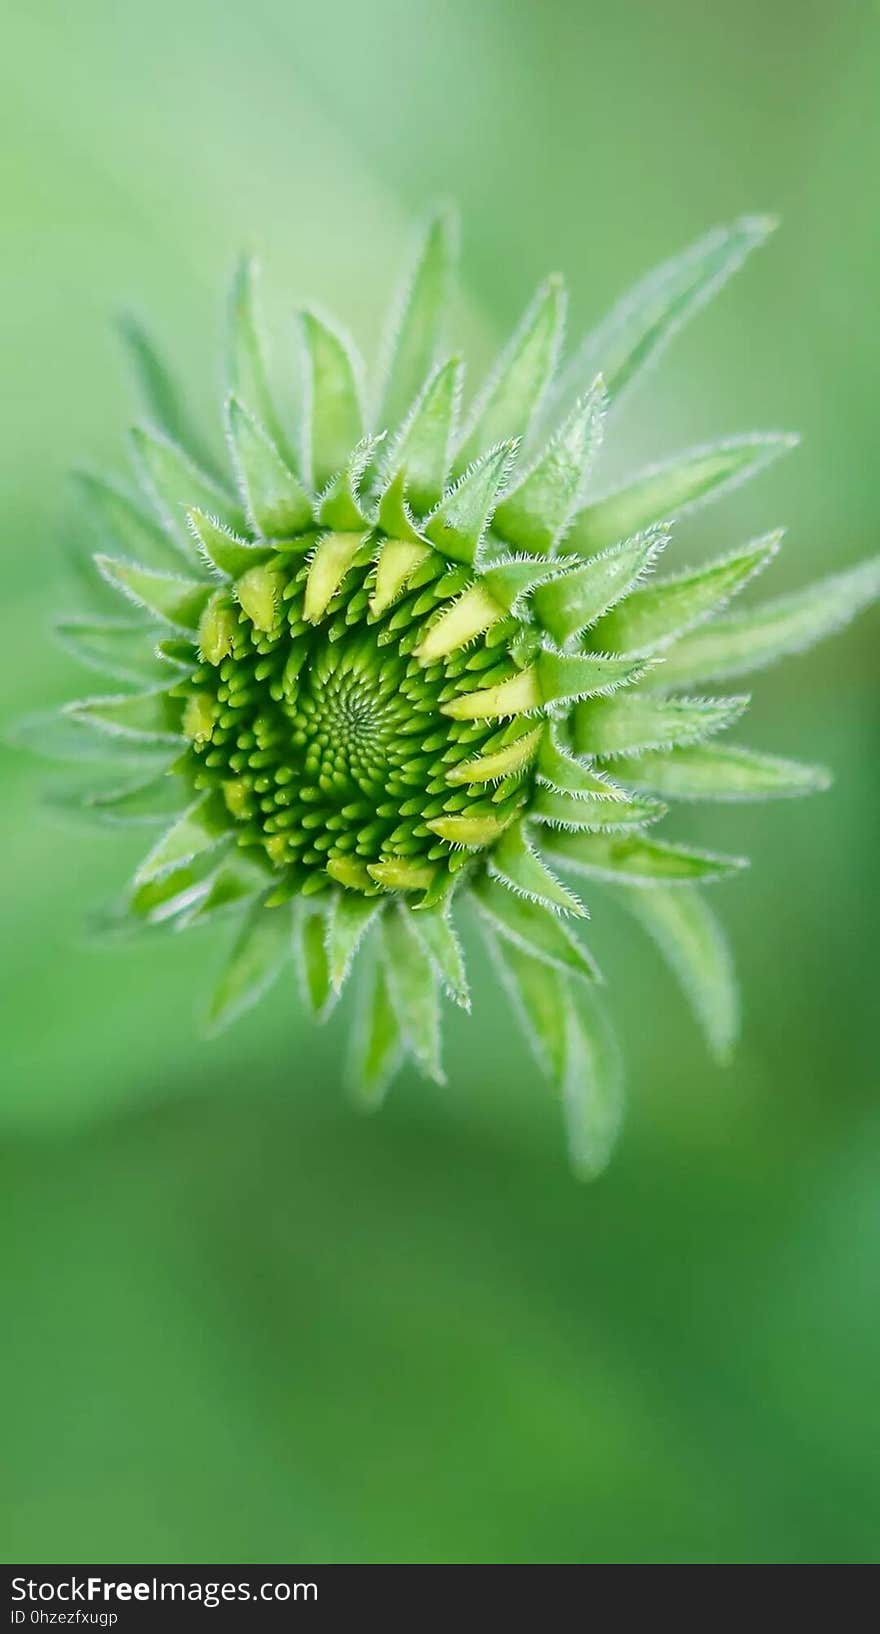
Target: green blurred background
243 1324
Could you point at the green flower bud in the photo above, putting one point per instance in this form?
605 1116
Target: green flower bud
390 666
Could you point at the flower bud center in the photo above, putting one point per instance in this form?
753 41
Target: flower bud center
328 736
346 729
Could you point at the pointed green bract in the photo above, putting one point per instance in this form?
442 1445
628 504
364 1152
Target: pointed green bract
695 948
593 811
230 887
165 901
422 450
246 375
535 994
349 919
223 549
378 1042
563 771
655 614
117 647
518 865
159 393
151 801
592 1085
514 391
743 642
342 506
718 771
277 503
174 484
200 828
667 491
636 860
335 414
172 598
310 949
535 515
574 1047
179 652
536 932
418 319
258 956
641 324
630 722
413 990
126 526
574 600
64 736
512 579
457 526
151 716
435 931
395 516
563 677
92 594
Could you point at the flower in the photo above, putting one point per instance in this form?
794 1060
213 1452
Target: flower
399 662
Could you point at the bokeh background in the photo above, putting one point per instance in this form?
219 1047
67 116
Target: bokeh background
242 1323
